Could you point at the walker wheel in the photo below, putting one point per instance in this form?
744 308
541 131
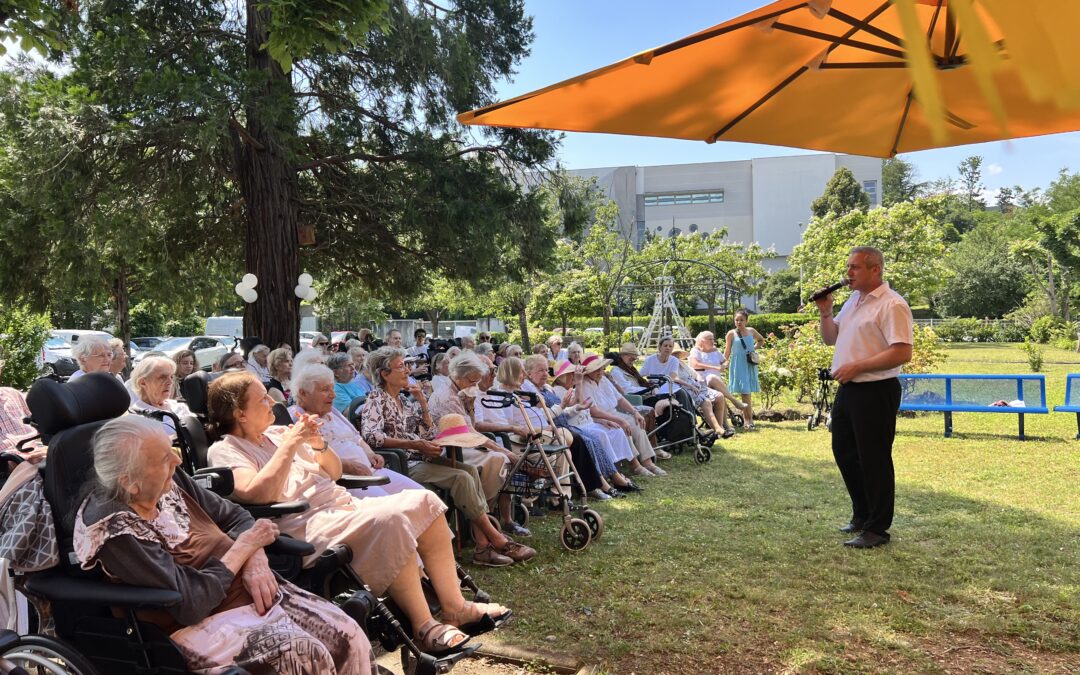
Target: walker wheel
576 534
595 521
810 423
519 512
702 455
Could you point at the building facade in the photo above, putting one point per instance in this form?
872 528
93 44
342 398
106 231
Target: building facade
765 200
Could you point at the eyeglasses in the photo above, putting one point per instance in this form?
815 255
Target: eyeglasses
320 344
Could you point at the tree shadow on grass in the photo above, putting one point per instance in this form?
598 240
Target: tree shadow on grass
737 566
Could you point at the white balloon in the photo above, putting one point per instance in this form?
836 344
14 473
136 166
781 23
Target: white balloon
240 288
250 280
250 295
311 294
305 279
301 291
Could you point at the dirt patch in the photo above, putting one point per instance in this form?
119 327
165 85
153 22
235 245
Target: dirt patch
973 653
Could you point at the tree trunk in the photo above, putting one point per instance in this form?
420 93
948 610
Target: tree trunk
712 313
1051 285
267 182
564 317
523 325
607 318
433 316
123 315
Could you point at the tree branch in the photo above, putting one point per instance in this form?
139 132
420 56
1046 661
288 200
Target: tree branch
397 157
245 134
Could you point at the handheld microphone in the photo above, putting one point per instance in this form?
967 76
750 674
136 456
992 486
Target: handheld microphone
829 290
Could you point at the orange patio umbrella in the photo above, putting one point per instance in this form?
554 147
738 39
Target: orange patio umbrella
837 76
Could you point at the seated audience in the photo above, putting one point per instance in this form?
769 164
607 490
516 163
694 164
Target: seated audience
440 368
320 342
147 524
119 358
389 420
280 365
345 389
420 347
93 354
468 343
257 362
185 365
485 349
315 394
555 348
229 361
13 410
385 535
608 404
152 384
683 385
574 353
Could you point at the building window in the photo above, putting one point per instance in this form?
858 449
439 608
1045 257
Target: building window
684 198
870 188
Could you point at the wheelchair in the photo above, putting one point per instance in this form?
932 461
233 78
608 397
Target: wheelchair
331 576
534 472
678 429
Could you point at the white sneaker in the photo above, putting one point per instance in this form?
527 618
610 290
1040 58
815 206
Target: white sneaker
656 471
599 495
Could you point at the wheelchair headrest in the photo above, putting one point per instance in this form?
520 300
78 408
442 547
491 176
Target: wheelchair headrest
91 398
195 389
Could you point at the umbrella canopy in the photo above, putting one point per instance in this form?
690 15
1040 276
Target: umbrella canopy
833 75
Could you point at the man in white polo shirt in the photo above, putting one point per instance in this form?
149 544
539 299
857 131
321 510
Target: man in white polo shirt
873 338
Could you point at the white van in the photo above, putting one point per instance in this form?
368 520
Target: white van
230 326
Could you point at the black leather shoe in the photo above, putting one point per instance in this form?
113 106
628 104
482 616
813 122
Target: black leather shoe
852 528
867 540
630 486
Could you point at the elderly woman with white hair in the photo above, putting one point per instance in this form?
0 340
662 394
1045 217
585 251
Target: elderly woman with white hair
316 391
147 524
574 353
257 362
708 362
93 354
152 384
493 461
345 387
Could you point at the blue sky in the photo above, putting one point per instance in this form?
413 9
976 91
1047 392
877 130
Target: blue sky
575 36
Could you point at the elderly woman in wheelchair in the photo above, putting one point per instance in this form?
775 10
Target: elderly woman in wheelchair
147 524
385 534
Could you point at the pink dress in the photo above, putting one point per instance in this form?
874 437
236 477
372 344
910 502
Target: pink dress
381 531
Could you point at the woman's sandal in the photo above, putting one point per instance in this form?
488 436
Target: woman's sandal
440 638
475 618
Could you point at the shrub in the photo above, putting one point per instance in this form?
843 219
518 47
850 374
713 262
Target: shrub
802 352
1034 354
1042 329
927 352
1009 331
22 335
773 380
192 324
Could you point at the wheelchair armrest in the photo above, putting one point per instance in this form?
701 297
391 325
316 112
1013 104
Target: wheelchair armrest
216 479
350 482
276 510
57 586
498 436
286 545
396 459
555 449
11 457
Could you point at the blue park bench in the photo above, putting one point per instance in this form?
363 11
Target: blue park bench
975 393
1072 402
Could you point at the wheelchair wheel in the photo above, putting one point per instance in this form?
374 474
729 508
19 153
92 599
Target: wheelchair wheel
41 655
576 534
595 521
810 423
702 455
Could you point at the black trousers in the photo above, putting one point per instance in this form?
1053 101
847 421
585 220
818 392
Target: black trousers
863 428
583 462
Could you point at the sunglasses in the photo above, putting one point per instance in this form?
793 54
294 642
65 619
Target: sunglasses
320 344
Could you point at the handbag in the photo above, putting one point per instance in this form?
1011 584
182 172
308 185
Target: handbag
752 357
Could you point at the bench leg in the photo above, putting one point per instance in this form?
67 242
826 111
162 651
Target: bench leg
1021 416
1078 426
948 424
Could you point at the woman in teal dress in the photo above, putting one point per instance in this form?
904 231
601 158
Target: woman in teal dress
743 375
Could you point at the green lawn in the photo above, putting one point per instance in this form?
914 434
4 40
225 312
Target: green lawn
736 566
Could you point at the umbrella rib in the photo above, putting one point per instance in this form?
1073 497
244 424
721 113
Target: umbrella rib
790 78
866 27
838 40
903 123
862 65
721 30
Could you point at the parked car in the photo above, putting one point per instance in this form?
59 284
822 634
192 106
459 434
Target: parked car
146 344
72 336
55 357
207 348
306 336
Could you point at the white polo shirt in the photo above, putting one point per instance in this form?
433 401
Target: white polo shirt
869 325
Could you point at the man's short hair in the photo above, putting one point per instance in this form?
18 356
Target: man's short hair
872 255
418 332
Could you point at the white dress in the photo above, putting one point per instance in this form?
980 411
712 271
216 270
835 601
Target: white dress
713 358
669 369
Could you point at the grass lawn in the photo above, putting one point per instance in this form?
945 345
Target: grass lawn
736 566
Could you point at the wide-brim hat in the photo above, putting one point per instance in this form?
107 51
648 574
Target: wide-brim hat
562 367
678 352
629 348
454 431
592 363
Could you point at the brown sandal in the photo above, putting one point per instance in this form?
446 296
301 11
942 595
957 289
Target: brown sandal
439 638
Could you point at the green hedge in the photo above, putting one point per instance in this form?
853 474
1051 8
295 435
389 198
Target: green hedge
764 323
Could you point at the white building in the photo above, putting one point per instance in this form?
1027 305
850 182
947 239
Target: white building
764 200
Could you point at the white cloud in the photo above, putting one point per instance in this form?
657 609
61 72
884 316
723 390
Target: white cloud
994 169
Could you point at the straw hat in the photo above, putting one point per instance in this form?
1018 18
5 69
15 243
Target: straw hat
454 431
631 349
562 367
592 363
